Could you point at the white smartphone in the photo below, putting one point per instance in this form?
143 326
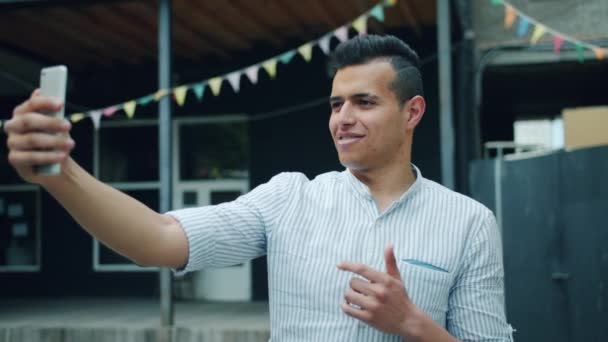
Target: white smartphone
53 83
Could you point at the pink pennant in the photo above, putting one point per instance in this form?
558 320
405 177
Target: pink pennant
342 33
558 41
110 111
234 78
96 118
252 73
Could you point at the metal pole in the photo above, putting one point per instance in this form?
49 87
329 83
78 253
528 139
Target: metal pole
164 146
445 93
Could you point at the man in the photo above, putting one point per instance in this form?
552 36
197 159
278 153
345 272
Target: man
373 253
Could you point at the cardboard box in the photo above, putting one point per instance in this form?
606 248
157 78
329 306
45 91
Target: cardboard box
585 126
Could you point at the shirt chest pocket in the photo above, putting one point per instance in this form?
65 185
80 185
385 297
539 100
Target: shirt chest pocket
428 288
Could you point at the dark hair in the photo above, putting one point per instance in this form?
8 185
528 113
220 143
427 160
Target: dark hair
367 48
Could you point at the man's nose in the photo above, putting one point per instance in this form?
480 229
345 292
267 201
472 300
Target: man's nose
347 114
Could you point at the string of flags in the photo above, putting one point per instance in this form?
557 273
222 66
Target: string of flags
233 78
525 22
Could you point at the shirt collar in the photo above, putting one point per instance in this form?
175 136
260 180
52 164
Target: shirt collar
364 191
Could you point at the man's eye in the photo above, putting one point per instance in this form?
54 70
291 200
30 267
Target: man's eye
335 106
366 103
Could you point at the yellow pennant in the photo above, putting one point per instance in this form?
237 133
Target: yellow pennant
361 24
599 53
306 51
160 94
539 31
391 2
180 94
129 108
77 117
510 16
215 84
271 67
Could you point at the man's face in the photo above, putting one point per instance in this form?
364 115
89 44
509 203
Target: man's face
367 123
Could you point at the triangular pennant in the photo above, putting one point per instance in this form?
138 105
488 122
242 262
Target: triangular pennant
252 73
96 118
160 94
77 117
342 33
599 53
110 110
271 67
580 52
234 78
496 2
324 44
360 24
539 31
180 94
216 85
558 41
199 90
377 12
145 100
510 16
287 56
306 51
522 29
129 108
390 3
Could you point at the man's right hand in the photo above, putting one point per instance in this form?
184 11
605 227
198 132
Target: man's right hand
29 142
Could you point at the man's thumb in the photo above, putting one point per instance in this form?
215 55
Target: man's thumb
391 262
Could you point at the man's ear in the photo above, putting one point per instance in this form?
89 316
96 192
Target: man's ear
415 108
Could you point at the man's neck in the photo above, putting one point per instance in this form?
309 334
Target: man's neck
387 184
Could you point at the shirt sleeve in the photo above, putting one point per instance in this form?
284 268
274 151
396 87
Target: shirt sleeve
234 232
476 309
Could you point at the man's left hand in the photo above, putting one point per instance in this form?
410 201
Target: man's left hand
381 300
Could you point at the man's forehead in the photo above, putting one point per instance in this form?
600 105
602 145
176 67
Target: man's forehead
373 78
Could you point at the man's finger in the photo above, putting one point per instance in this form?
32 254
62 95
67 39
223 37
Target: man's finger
39 104
37 122
391 263
361 315
362 270
362 301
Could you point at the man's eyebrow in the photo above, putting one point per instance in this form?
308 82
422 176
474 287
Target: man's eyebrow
360 95
357 95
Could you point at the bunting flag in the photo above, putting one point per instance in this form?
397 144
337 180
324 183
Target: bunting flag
234 78
129 108
96 118
522 29
252 73
199 90
306 51
76 117
180 94
324 44
539 31
287 56
110 111
271 67
216 85
378 13
342 33
558 41
361 24
512 14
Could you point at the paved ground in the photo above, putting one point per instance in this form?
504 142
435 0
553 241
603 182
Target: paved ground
129 320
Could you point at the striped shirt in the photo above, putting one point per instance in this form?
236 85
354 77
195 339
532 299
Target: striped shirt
447 247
